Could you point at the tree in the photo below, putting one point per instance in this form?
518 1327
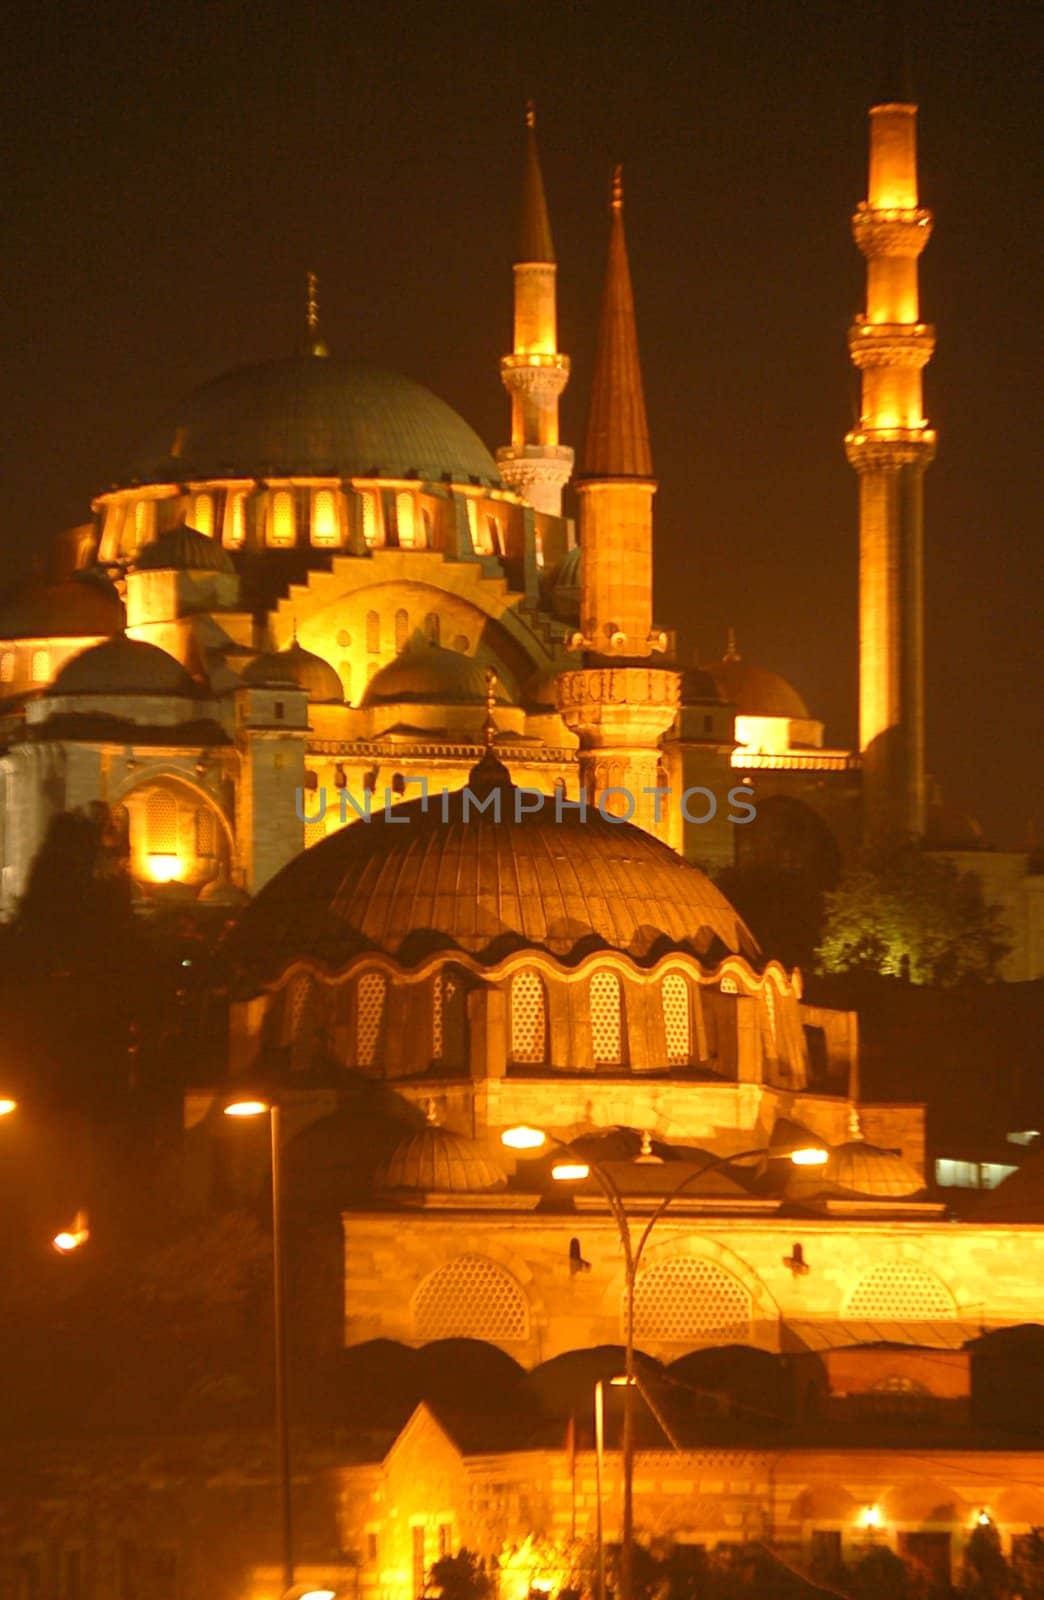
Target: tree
878 1575
906 914
1029 1565
460 1577
989 1576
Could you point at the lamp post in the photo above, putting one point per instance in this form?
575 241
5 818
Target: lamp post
574 1170
599 1405
260 1108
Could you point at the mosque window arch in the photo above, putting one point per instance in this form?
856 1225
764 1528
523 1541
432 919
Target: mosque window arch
370 996
606 1019
433 627
677 1019
471 1297
406 519
206 833
899 1291
281 525
370 519
203 514
144 521
235 519
528 1018
161 823
402 630
7 667
689 1300
729 985
326 526
373 632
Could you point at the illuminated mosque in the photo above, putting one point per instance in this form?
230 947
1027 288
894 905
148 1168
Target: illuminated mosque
314 581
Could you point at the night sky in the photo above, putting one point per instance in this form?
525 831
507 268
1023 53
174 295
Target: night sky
173 170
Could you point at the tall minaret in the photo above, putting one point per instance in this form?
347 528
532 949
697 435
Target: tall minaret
890 449
534 464
617 703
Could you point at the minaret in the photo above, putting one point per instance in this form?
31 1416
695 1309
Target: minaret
315 344
618 704
534 464
890 448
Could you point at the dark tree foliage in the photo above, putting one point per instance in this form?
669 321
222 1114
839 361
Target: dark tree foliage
460 1577
879 1575
1029 1566
988 1574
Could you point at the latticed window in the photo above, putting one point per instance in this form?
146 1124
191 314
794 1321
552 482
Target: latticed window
606 1030
432 627
297 1004
899 1291
40 666
676 1019
161 823
729 985
438 996
315 827
369 1016
405 520
369 520
206 832
373 632
528 1018
471 1298
472 510
143 521
690 1301
770 1007
325 526
203 514
282 523
235 519
7 666
402 630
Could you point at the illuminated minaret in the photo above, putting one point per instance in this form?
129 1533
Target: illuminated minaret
890 448
618 704
534 464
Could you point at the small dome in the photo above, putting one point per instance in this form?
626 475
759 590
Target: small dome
80 608
698 686
296 668
437 1160
754 691
184 549
859 1171
123 666
430 675
949 828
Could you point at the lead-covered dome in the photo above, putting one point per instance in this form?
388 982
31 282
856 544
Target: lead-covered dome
440 874
123 666
295 666
184 549
312 416
428 674
437 1160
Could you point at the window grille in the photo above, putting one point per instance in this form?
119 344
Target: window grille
325 527
7 667
690 1301
203 514
729 985
370 1014
770 1006
606 1032
369 520
373 632
405 520
402 631
528 1018
676 1019
432 627
161 822
899 1291
235 520
40 666
471 1298
282 524
206 833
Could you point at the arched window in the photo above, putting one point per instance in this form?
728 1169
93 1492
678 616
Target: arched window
676 1020
144 521
771 1009
538 547
606 1029
370 520
432 627
528 1018
281 525
494 537
690 1301
161 823
729 985
473 528
427 528
900 1291
235 519
402 631
370 996
406 520
7 667
373 632
325 523
471 1298
203 514
206 832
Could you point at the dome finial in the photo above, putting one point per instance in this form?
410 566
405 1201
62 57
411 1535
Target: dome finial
731 652
431 1113
316 342
530 114
616 189
489 727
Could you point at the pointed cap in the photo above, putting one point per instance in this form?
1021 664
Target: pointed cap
617 444
535 241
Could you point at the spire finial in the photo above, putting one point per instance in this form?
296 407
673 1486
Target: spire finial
431 1113
530 114
489 727
316 343
293 630
616 189
535 244
731 652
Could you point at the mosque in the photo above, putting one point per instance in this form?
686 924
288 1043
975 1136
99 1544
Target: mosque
312 587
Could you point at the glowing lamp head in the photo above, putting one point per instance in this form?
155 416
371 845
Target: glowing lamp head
622 1381
523 1138
812 1156
71 1239
870 1517
984 1520
570 1171
246 1108
541 1586
165 868
7 1106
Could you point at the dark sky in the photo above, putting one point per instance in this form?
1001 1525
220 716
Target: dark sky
173 170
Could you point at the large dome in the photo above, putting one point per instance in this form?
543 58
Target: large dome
442 875
123 666
313 416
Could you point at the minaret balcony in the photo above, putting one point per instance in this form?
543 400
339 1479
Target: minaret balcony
892 232
887 449
540 376
890 344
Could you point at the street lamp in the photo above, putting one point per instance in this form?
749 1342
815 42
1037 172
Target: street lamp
248 1107
7 1106
74 1236
574 1169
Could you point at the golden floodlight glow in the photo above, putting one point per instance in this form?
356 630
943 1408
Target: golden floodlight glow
810 1157
164 868
523 1138
246 1108
7 1106
621 1381
870 1516
318 1594
72 1238
571 1171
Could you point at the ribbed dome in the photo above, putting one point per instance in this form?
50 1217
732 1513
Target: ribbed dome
313 415
754 690
444 875
439 1160
184 549
858 1168
300 668
76 609
123 666
428 674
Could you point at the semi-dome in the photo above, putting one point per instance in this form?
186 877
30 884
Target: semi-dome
428 674
441 874
75 609
123 666
437 1160
184 549
296 667
312 416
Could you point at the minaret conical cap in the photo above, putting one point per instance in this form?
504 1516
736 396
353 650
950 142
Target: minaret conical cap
617 443
896 74
535 241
